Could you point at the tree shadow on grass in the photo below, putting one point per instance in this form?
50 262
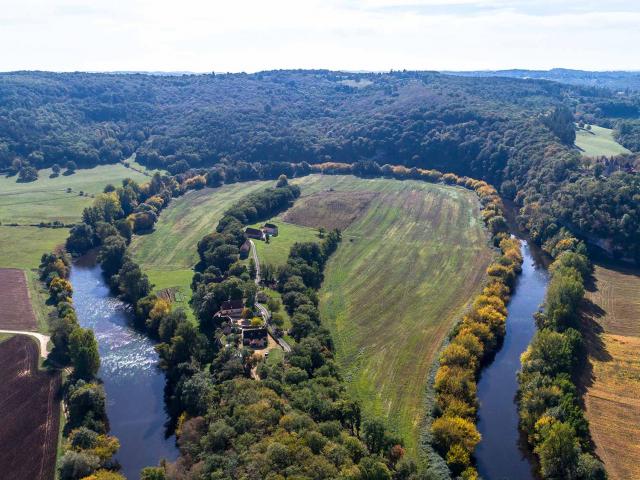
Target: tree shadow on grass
595 348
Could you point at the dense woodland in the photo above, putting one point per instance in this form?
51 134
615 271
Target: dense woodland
212 129
516 134
615 80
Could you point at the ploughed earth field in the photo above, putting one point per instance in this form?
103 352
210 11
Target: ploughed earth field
29 412
612 399
15 305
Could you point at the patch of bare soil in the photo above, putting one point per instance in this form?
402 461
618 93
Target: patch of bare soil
329 209
29 413
16 312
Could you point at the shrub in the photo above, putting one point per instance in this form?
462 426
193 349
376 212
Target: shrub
77 465
449 431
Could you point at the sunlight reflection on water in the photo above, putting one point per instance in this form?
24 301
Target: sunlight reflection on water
133 382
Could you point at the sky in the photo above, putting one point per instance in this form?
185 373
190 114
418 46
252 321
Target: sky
374 35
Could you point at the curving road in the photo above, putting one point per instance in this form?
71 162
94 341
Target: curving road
263 310
43 340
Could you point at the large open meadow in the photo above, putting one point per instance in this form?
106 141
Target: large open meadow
612 398
48 199
169 253
598 142
412 257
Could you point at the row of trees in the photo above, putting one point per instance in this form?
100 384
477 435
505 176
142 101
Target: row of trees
474 341
549 403
88 450
127 209
497 129
296 422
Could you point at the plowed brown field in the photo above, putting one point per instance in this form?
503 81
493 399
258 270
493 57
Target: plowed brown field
16 312
612 396
29 413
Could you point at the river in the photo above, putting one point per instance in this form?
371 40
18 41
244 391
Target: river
501 454
133 383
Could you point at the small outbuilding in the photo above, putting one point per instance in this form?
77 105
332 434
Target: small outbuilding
245 249
231 307
271 229
251 232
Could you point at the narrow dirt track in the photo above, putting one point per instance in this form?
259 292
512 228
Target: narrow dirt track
43 340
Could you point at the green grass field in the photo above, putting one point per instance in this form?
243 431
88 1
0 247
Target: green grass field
46 199
169 253
22 247
177 280
277 250
598 142
405 271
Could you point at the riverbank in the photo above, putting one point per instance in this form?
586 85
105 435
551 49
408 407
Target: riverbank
132 380
502 453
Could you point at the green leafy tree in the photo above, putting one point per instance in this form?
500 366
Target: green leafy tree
83 350
152 473
71 167
559 452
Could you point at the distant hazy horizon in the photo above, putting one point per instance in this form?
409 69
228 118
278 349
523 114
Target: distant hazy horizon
201 36
346 71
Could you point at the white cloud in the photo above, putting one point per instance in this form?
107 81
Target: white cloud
250 35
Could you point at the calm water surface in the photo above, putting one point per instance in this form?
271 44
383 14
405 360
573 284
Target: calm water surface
500 455
133 383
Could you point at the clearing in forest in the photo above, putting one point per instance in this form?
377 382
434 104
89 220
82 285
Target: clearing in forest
169 253
410 261
29 412
598 142
612 398
276 252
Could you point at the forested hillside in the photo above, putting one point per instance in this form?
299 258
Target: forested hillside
413 118
619 80
517 134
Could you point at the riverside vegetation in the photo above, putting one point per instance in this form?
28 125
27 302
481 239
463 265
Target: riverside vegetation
454 434
87 447
517 134
550 406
